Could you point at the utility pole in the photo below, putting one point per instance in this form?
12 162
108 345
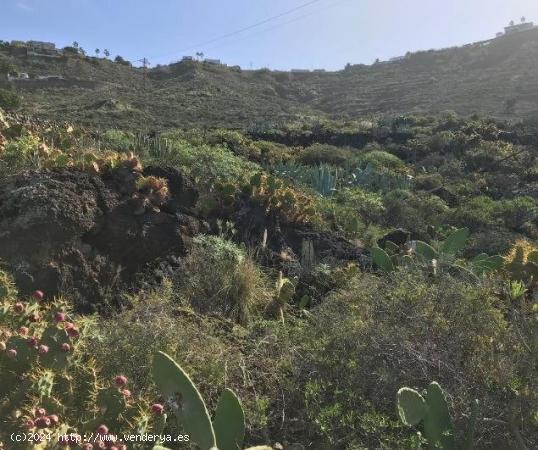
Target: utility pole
145 65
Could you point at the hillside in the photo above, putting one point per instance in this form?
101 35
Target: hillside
496 78
315 281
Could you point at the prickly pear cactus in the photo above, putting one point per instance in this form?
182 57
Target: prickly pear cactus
184 400
432 410
229 422
49 385
226 432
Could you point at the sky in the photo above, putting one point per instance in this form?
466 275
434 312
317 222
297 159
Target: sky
291 34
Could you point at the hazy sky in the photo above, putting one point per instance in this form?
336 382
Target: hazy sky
321 34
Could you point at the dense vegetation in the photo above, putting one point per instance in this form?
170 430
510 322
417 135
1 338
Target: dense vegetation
442 213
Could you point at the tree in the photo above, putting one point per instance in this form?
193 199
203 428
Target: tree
118 59
200 55
106 53
75 44
512 23
82 51
523 19
97 51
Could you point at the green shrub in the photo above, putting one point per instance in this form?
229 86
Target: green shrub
325 154
241 289
118 140
383 160
9 99
413 211
20 154
366 341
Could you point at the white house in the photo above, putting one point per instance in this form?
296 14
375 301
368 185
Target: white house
519 27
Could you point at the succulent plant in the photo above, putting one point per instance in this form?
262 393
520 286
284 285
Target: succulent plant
432 411
225 432
522 264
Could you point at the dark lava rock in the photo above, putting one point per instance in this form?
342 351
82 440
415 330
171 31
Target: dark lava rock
74 233
398 237
184 194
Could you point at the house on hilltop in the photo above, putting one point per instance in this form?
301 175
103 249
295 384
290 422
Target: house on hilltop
37 48
519 27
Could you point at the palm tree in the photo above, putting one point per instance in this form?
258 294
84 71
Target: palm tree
75 44
200 55
512 23
97 51
106 53
523 19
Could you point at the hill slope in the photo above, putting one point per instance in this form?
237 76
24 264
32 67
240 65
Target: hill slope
497 77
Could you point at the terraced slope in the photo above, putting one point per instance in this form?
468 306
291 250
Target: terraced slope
498 77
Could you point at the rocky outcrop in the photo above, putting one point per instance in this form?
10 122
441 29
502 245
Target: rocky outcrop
69 232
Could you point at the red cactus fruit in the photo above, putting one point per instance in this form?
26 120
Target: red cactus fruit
100 445
59 317
32 341
87 446
19 307
54 420
23 331
12 353
43 349
38 295
42 422
66 348
102 430
71 330
34 317
120 380
39 412
157 409
29 424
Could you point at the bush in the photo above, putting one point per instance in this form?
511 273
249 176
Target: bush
9 99
20 154
413 212
239 293
383 160
118 140
367 341
325 154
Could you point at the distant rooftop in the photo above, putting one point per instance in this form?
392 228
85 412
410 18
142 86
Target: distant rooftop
517 27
